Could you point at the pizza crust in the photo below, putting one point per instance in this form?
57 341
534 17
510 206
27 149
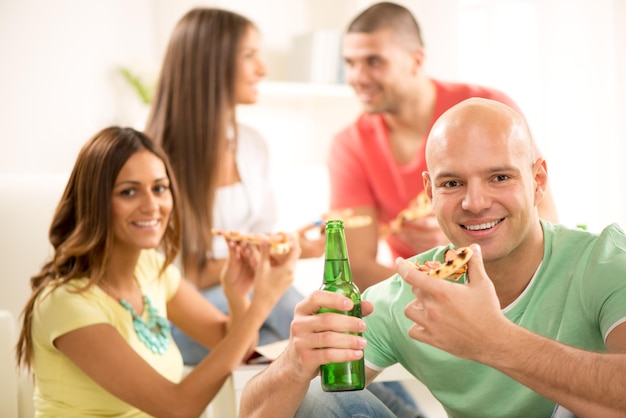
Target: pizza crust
453 267
417 208
279 242
347 216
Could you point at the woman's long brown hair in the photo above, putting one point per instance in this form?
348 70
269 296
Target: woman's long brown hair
193 107
81 232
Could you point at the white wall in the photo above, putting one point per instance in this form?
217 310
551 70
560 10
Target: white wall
562 60
619 24
58 79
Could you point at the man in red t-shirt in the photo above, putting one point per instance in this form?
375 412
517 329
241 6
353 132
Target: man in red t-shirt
376 163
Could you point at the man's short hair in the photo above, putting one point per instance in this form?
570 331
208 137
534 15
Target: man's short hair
387 15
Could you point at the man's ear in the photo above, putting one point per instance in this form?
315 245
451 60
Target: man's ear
427 185
418 59
540 171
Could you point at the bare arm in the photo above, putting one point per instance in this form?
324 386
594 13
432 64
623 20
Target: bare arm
315 339
209 325
275 392
209 277
101 352
204 323
587 383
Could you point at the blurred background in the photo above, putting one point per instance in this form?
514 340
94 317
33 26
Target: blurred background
563 61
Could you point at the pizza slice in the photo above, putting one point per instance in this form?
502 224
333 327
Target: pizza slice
453 267
279 241
417 207
347 216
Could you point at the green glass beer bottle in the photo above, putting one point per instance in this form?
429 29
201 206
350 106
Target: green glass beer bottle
338 377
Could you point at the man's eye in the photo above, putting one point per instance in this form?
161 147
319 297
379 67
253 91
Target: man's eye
501 177
451 183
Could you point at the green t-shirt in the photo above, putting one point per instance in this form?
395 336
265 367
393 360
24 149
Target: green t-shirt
64 390
577 296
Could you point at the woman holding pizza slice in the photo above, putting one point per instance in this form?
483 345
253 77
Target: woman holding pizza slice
212 64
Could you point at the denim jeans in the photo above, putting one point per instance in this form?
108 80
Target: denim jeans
357 404
276 326
396 398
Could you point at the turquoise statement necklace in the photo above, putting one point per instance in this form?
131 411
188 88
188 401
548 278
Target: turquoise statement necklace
155 333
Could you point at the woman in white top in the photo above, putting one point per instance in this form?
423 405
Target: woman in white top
212 64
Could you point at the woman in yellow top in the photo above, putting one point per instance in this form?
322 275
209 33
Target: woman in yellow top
95 330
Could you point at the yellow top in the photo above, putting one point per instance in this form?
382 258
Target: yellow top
61 388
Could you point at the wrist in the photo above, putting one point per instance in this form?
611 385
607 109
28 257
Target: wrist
260 306
294 370
237 302
496 350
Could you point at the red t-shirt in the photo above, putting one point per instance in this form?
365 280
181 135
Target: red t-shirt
363 171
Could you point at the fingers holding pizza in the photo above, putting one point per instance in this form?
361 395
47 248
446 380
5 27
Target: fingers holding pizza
452 316
281 243
417 208
311 237
350 220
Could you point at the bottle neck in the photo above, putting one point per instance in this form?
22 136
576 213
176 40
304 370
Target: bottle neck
335 244
337 267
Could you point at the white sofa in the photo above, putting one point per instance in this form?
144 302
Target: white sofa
26 209
8 375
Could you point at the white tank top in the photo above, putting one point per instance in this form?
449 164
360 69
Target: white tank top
232 211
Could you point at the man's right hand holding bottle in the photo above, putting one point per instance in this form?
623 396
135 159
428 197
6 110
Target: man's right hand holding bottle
315 339
324 338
